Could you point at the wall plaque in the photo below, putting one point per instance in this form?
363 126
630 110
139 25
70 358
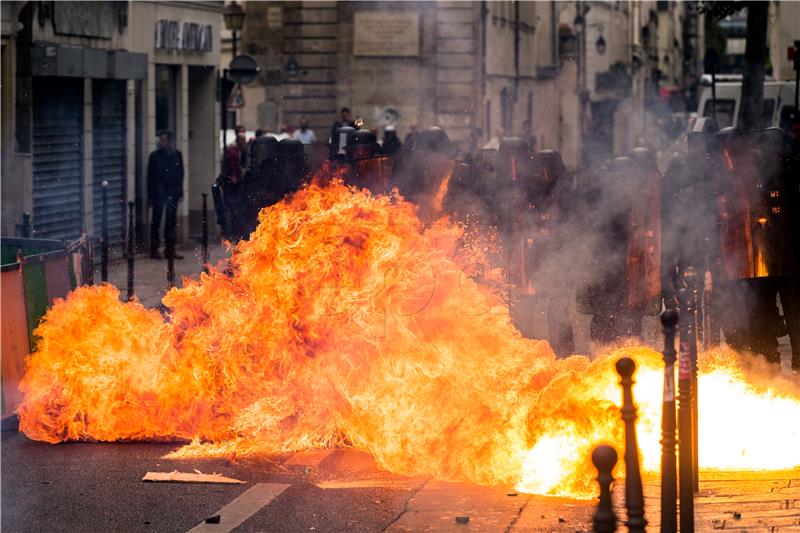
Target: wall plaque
386 34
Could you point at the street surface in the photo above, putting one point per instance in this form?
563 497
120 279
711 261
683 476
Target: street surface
98 488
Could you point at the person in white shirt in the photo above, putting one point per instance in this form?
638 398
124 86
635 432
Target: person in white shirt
305 134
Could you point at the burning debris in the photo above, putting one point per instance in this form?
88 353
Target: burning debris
189 477
346 321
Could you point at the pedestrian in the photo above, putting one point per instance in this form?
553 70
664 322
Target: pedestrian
260 132
473 144
391 142
410 136
164 191
345 119
235 160
305 134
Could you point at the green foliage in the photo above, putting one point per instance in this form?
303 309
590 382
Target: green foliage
716 10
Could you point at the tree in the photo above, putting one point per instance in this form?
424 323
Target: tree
752 96
752 99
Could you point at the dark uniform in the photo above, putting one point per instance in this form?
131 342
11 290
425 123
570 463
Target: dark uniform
756 236
165 190
624 278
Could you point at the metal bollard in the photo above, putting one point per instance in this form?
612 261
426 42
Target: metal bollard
26 225
634 494
104 236
88 246
131 244
692 281
669 473
710 333
685 425
170 271
205 232
604 459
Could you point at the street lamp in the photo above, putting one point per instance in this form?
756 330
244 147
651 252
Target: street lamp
600 45
233 16
579 23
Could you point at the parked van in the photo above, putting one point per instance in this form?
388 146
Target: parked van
778 95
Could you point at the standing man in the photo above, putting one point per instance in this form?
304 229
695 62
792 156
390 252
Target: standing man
345 119
164 190
391 142
305 134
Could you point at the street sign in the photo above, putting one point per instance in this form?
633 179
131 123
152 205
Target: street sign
236 98
243 69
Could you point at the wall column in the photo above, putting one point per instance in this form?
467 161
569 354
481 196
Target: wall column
88 158
130 140
182 134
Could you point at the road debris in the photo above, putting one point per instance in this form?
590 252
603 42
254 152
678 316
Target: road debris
213 519
462 519
189 477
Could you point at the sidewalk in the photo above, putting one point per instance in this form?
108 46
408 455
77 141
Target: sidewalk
150 275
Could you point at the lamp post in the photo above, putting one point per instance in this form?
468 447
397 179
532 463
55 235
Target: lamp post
233 17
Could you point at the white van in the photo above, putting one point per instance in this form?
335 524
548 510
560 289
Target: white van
777 96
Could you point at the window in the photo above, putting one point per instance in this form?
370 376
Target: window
505 110
166 97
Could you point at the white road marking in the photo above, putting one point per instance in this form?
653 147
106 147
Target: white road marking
242 508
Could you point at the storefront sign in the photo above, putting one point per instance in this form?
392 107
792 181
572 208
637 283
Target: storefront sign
174 35
386 33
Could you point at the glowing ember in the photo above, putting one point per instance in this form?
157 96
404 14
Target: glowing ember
343 321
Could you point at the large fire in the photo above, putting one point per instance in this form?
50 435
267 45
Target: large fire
345 321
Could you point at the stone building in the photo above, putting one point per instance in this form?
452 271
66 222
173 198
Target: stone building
501 68
86 88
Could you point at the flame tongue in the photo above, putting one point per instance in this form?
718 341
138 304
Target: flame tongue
344 321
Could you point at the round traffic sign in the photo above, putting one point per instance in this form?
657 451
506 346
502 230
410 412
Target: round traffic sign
243 69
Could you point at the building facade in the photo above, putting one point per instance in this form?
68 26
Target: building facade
481 70
86 90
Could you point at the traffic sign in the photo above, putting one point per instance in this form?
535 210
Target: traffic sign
236 98
243 69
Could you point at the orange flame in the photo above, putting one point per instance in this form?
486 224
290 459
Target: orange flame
343 321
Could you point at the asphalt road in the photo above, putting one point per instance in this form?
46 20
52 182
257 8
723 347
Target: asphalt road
85 487
97 488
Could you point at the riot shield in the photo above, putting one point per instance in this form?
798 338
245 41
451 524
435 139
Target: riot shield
755 225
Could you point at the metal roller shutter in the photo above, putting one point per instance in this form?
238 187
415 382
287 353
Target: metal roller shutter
57 157
108 152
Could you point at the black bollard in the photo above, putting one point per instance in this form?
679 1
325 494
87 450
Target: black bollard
26 225
634 494
205 232
169 241
604 459
131 244
170 271
685 439
692 284
710 332
88 249
669 474
104 236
